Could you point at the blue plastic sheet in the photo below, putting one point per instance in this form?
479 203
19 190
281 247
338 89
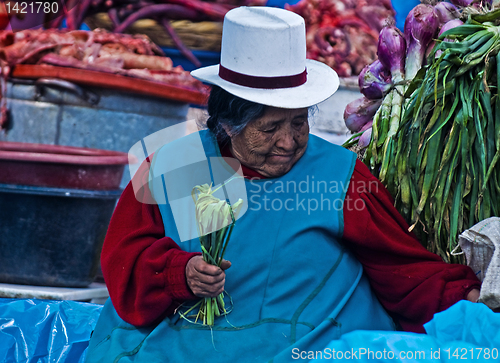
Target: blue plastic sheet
42 331
466 332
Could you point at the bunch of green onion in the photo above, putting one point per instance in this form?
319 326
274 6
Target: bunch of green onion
215 221
449 140
435 140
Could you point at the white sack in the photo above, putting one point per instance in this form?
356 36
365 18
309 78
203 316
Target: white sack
481 245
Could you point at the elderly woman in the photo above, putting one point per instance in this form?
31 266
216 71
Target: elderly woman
319 251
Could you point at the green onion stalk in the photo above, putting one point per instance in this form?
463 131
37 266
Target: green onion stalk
215 221
391 53
421 26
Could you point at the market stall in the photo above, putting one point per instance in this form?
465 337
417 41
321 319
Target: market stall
67 125
70 101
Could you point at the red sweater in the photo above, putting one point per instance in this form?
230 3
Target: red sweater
145 271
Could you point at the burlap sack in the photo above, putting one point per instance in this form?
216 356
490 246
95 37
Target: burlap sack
481 245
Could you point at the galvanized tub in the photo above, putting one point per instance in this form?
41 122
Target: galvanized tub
52 236
51 111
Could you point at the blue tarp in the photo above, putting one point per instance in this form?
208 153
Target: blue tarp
42 331
465 332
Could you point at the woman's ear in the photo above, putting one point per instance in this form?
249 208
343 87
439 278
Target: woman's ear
228 130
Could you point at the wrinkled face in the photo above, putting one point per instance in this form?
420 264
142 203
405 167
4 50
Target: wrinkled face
272 144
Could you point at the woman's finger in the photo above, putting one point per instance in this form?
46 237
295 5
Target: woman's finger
203 279
203 267
205 290
225 265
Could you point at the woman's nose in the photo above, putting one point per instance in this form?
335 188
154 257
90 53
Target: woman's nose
286 139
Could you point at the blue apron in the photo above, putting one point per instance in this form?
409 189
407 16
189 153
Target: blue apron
294 287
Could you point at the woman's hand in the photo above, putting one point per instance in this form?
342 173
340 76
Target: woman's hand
473 296
204 279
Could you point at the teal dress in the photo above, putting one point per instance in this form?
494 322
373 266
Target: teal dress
294 286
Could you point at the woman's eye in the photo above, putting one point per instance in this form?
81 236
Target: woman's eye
298 125
270 130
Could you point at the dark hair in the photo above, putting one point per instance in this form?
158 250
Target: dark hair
229 110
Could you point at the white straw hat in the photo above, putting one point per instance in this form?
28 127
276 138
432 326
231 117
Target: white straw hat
263 59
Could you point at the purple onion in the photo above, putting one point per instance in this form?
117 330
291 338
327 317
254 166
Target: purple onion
365 138
374 80
366 126
450 25
359 112
446 12
391 51
430 48
421 26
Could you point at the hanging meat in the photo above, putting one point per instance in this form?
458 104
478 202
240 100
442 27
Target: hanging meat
124 13
98 50
344 33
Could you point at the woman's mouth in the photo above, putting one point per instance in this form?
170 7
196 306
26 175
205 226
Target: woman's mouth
283 158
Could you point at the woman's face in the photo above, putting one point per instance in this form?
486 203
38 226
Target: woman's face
273 143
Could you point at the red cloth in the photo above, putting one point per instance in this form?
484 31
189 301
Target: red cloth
145 271
411 283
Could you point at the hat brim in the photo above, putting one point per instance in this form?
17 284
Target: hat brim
322 82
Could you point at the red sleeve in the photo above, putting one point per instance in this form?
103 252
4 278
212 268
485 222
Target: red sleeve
411 283
144 270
